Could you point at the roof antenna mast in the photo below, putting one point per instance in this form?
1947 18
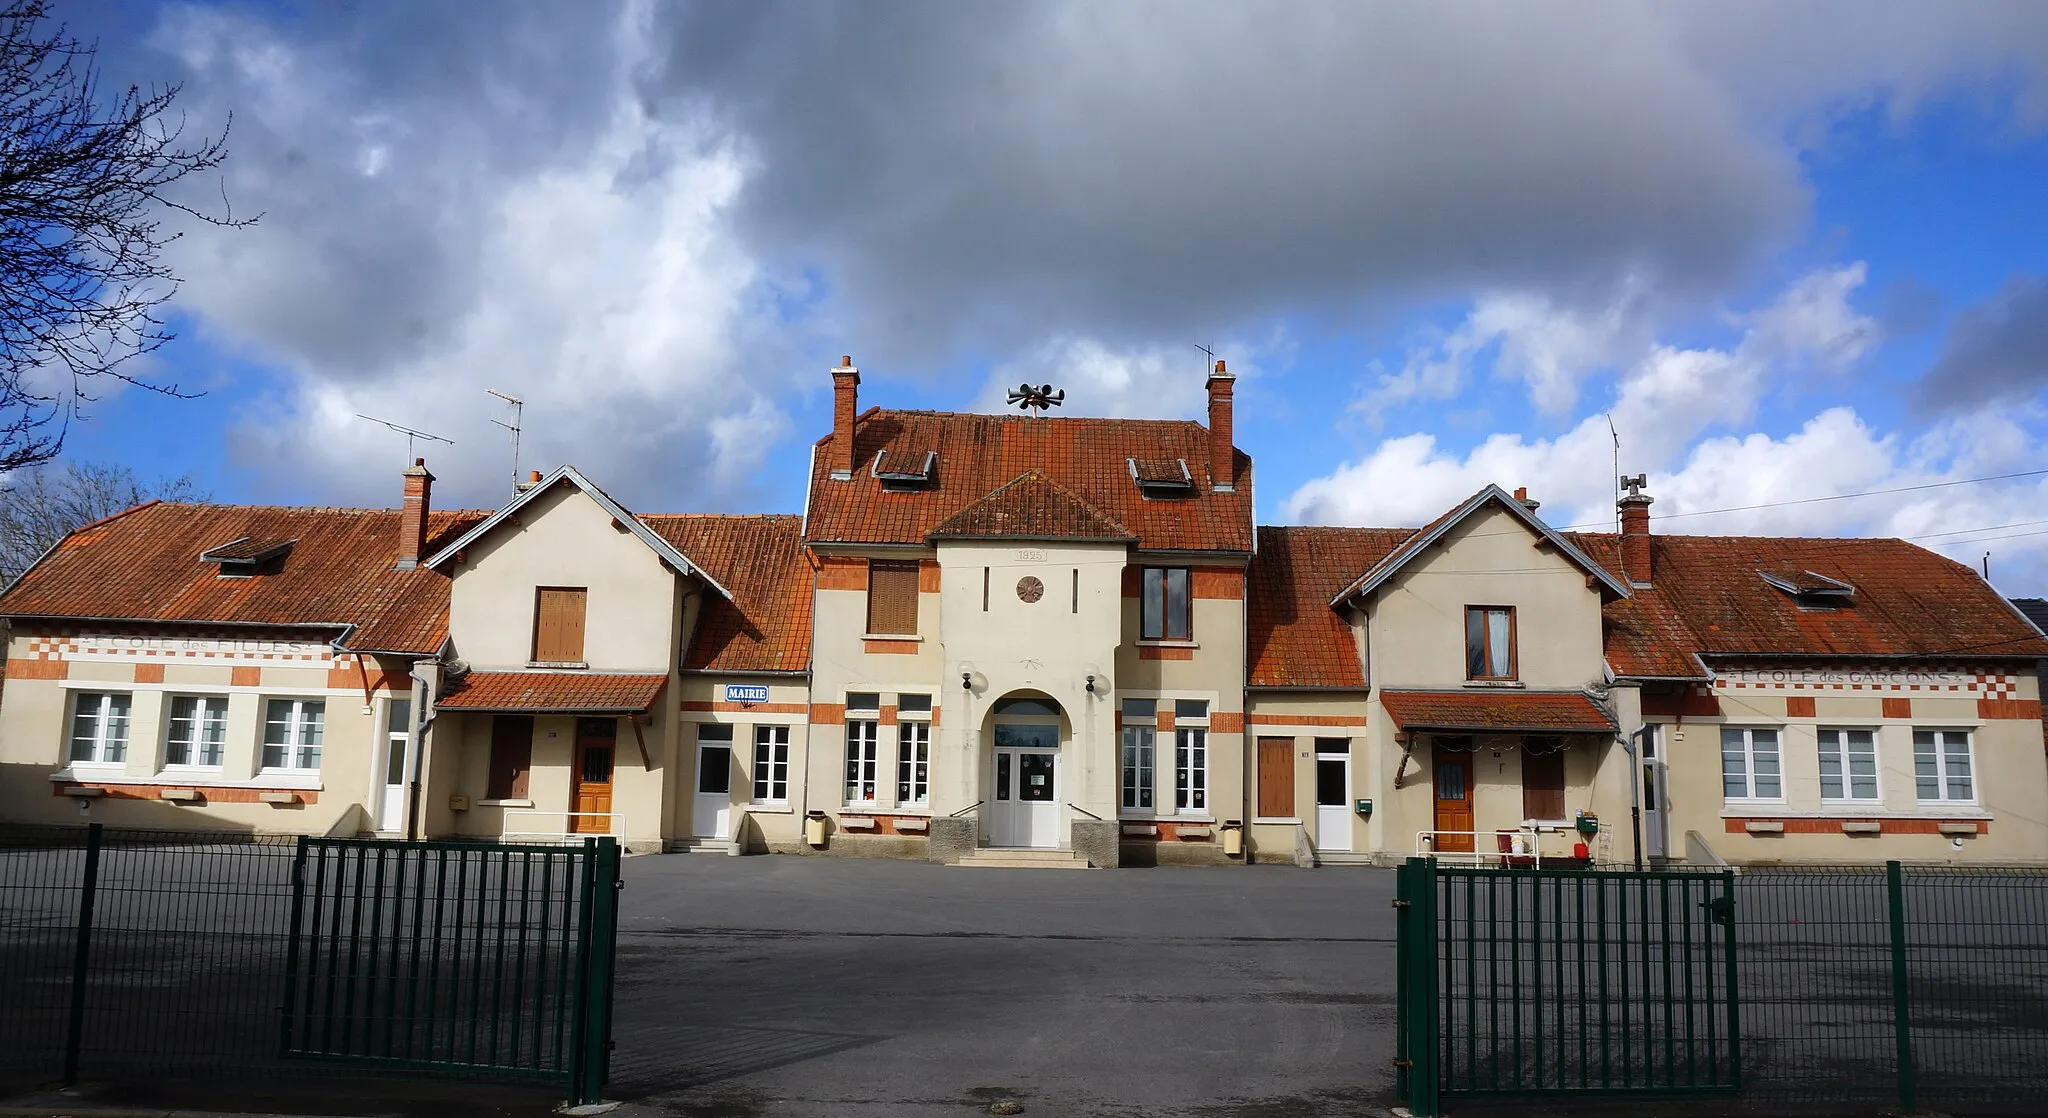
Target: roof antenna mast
412 435
1615 473
518 413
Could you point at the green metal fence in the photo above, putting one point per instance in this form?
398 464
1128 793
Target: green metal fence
447 955
152 957
1914 986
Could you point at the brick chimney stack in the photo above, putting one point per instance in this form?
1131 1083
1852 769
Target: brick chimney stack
1635 532
1222 449
1522 495
845 406
412 521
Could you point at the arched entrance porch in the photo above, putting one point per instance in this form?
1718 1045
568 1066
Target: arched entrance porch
1025 731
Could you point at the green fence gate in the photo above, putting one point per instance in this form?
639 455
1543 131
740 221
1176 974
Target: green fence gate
1519 982
491 959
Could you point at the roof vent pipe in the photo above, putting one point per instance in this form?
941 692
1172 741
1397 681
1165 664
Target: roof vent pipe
1635 531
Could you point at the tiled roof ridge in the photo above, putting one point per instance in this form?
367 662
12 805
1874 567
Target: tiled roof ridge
111 517
310 509
719 515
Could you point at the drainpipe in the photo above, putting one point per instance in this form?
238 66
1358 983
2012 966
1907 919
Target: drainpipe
422 693
1635 790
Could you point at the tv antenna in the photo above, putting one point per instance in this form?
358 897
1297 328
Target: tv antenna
412 435
1616 473
518 413
1037 397
1209 353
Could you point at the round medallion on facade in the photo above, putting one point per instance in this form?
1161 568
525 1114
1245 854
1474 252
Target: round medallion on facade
1030 589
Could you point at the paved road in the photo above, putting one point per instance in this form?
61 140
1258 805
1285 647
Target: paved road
809 986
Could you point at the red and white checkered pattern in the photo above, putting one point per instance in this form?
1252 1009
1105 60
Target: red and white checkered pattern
1978 682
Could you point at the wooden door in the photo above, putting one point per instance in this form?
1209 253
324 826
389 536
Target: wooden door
1453 801
1276 778
590 798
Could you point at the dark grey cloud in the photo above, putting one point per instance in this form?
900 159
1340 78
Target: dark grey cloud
1996 350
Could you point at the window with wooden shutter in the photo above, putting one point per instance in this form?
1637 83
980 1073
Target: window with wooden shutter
892 597
1542 779
1276 778
511 756
558 624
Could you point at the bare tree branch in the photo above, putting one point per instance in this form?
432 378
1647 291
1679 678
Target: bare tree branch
83 193
40 505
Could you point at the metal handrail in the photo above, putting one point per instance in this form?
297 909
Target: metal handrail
965 810
1085 811
616 827
1426 846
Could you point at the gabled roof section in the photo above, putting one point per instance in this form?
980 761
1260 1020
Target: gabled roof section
765 626
1297 638
1440 527
139 567
1031 507
572 476
979 453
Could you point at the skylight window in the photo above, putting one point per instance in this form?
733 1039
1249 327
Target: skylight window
248 556
1808 589
901 470
1161 477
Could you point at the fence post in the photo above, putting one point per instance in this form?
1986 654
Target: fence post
1404 931
1425 1037
1731 955
74 1037
1902 1006
597 941
291 957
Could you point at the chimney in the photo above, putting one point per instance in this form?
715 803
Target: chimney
1635 532
1222 451
412 521
1522 495
845 405
532 479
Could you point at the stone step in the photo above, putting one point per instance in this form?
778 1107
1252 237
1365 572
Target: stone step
700 846
1023 859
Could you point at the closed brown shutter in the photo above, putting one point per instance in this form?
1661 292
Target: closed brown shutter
558 624
511 756
1276 778
1542 781
892 597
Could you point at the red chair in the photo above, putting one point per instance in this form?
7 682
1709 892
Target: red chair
1507 847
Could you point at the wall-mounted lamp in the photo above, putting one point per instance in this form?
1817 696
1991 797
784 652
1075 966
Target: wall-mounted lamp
1091 685
966 681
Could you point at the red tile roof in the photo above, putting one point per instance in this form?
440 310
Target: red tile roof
1708 598
143 565
766 627
1507 712
1297 640
1031 507
979 453
552 692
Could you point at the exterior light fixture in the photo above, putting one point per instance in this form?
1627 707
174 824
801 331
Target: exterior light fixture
966 681
1091 685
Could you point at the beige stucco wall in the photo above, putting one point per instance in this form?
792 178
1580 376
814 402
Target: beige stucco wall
1417 619
775 825
2011 780
564 538
1302 718
35 744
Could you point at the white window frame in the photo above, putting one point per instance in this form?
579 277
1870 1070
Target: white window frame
103 747
1138 761
771 764
202 706
1749 756
295 747
1833 745
1939 738
914 759
1191 760
863 761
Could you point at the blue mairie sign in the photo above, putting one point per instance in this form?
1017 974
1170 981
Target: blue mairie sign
746 692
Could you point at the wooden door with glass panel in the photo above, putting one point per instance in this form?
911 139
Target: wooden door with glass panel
597 742
1451 766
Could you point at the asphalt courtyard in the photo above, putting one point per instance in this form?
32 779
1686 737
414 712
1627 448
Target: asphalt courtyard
811 986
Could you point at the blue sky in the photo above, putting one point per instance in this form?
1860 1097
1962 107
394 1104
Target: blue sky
1793 252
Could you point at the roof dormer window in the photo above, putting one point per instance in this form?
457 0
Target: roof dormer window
902 471
248 556
1809 590
1162 478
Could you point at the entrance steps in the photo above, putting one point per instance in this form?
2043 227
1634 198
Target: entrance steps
1019 858
700 846
1345 858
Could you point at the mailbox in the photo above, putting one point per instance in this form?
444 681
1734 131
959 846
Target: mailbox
1365 807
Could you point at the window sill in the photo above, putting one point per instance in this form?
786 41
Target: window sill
295 780
777 807
891 637
288 777
1496 683
1846 811
201 772
1167 642
504 803
1167 819
559 665
920 811
1277 820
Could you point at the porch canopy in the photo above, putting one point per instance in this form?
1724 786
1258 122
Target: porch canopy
552 693
1496 712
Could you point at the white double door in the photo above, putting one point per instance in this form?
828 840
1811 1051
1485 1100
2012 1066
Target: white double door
1024 807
